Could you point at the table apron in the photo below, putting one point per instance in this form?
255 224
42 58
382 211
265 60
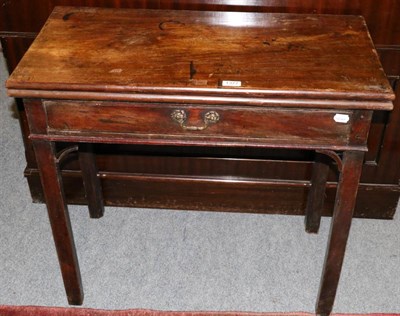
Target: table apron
198 125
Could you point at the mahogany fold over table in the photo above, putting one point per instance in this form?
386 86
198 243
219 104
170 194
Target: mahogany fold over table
216 79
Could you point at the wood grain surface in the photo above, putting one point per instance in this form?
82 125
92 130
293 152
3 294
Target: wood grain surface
171 52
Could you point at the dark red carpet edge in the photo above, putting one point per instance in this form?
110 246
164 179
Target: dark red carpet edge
6 310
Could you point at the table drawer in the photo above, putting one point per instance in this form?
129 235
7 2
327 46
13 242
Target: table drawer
243 124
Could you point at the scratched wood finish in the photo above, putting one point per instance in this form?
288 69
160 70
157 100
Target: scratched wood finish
16 15
18 26
146 52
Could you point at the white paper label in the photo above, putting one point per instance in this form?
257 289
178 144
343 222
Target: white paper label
231 83
341 118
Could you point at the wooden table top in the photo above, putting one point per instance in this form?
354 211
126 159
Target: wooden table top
243 55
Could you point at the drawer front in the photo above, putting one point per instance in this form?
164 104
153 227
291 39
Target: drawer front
219 124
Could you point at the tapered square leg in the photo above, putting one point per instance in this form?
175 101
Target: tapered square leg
91 181
340 227
59 219
316 195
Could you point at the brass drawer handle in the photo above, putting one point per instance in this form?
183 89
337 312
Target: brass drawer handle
180 116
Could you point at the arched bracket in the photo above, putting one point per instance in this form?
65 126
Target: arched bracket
334 156
65 152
